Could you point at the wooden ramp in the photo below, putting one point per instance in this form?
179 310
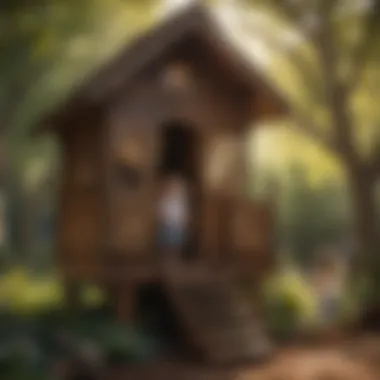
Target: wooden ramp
217 318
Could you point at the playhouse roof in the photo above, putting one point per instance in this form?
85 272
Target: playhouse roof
122 68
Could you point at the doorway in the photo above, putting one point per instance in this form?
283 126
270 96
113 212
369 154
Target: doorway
156 316
180 157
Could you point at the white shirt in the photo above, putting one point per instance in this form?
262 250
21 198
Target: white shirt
173 208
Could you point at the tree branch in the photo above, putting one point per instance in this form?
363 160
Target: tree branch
337 96
307 127
361 53
302 64
374 165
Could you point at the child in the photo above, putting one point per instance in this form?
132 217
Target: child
173 216
329 288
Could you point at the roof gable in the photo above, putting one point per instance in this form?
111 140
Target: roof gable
151 45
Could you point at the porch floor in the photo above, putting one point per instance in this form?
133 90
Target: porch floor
153 271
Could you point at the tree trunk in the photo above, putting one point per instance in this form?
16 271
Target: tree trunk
365 216
363 194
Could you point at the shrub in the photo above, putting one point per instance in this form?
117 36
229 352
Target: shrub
125 345
24 294
290 303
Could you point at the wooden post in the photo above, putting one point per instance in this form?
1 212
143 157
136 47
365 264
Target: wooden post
125 302
209 226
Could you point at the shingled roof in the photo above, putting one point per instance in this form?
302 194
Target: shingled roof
123 67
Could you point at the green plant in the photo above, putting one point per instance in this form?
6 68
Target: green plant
290 303
123 344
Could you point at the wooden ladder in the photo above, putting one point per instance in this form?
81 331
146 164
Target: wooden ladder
217 317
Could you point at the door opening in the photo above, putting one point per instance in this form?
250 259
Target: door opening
180 158
179 151
156 316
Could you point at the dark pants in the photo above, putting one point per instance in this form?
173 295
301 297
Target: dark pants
171 237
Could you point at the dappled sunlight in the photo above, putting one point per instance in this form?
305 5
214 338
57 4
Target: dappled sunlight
277 149
262 148
292 292
36 173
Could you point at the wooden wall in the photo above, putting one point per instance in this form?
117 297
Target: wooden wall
134 120
132 191
110 183
252 236
82 208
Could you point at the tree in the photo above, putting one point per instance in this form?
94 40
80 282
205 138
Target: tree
333 66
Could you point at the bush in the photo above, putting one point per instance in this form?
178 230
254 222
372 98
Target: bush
32 318
30 345
355 299
24 294
290 303
125 345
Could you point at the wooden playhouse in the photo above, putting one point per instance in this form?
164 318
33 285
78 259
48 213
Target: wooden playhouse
179 99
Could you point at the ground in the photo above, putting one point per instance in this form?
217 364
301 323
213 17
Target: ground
354 360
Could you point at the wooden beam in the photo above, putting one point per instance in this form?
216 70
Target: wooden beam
125 301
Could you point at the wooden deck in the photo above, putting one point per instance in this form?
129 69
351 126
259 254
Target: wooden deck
143 272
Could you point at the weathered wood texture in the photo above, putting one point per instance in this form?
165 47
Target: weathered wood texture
218 318
135 122
82 208
252 240
120 153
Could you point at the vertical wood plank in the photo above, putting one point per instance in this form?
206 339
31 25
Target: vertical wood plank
253 236
126 302
82 201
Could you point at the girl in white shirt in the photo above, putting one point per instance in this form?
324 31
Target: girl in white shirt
173 215
329 287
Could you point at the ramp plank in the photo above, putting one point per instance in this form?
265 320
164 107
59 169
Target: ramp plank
217 317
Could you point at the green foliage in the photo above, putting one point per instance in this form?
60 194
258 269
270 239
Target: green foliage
293 306
46 49
297 69
290 303
50 45
354 299
125 345
35 330
363 292
29 347
311 216
24 294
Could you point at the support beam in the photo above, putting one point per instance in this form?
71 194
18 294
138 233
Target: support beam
126 301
